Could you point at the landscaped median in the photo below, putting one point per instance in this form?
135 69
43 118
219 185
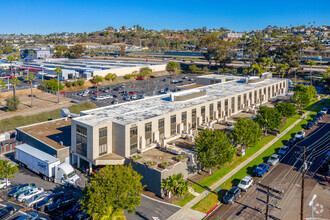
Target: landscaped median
215 197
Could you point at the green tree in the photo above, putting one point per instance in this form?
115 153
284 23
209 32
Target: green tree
61 51
246 132
281 69
111 76
12 103
303 95
11 59
128 76
286 109
210 42
122 50
57 71
14 82
52 85
97 79
116 186
311 63
7 171
173 66
110 214
30 77
269 118
214 148
258 68
2 84
267 62
175 184
76 51
145 72
194 69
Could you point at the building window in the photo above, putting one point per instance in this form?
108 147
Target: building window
211 111
103 149
203 113
244 99
193 118
226 105
255 97
173 125
148 127
133 140
250 97
183 116
219 109
103 141
268 92
161 124
233 104
239 102
81 140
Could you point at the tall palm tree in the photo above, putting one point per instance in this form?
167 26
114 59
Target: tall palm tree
11 59
58 70
14 82
29 77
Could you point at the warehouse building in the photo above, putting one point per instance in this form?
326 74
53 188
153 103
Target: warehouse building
110 134
52 137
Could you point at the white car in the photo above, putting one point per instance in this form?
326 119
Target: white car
3 184
300 135
274 159
28 194
36 198
324 110
283 150
245 183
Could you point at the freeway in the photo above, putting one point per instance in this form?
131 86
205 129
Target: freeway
285 176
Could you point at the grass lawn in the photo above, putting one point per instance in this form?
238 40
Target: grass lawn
19 120
215 197
185 200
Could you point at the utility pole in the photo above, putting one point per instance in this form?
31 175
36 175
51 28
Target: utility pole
269 191
302 186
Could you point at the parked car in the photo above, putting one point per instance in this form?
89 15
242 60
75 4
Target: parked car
30 216
95 93
7 212
20 189
114 96
61 203
69 214
28 194
127 98
91 91
4 183
140 78
122 85
283 150
164 80
274 159
43 204
245 183
36 198
324 110
131 93
232 194
75 101
291 142
133 97
114 102
309 125
81 216
80 93
116 89
261 169
300 135
62 93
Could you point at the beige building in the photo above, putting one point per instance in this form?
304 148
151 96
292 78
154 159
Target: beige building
110 134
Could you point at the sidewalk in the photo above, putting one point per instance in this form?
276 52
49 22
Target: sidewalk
187 213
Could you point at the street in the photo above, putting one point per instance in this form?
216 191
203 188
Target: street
286 176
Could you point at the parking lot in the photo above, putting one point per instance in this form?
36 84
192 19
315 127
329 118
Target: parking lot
139 88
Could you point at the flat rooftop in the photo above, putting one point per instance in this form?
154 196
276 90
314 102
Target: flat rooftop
51 132
139 110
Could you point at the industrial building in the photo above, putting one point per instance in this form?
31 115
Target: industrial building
110 134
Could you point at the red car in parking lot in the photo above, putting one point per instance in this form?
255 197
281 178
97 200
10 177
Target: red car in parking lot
140 78
62 93
131 93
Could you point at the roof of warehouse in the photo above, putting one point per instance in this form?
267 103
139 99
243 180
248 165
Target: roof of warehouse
51 132
134 111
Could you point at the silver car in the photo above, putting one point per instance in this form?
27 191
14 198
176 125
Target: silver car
36 198
274 159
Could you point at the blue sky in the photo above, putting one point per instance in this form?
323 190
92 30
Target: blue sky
43 16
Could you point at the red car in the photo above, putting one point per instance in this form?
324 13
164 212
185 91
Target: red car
140 78
62 93
95 93
10 77
131 93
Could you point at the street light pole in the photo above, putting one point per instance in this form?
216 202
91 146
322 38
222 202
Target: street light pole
311 203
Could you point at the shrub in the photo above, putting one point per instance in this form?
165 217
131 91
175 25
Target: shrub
151 163
286 109
12 103
51 84
173 66
128 76
176 185
80 82
194 69
68 84
137 157
166 164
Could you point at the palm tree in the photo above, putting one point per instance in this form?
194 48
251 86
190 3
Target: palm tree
29 77
166 185
11 59
58 70
110 214
32 54
14 82
310 63
258 67
2 84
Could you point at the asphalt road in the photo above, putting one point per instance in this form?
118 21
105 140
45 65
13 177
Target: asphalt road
149 87
286 176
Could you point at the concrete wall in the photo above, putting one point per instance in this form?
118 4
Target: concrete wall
128 70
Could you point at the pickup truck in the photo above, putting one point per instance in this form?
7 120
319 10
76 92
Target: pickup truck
261 169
